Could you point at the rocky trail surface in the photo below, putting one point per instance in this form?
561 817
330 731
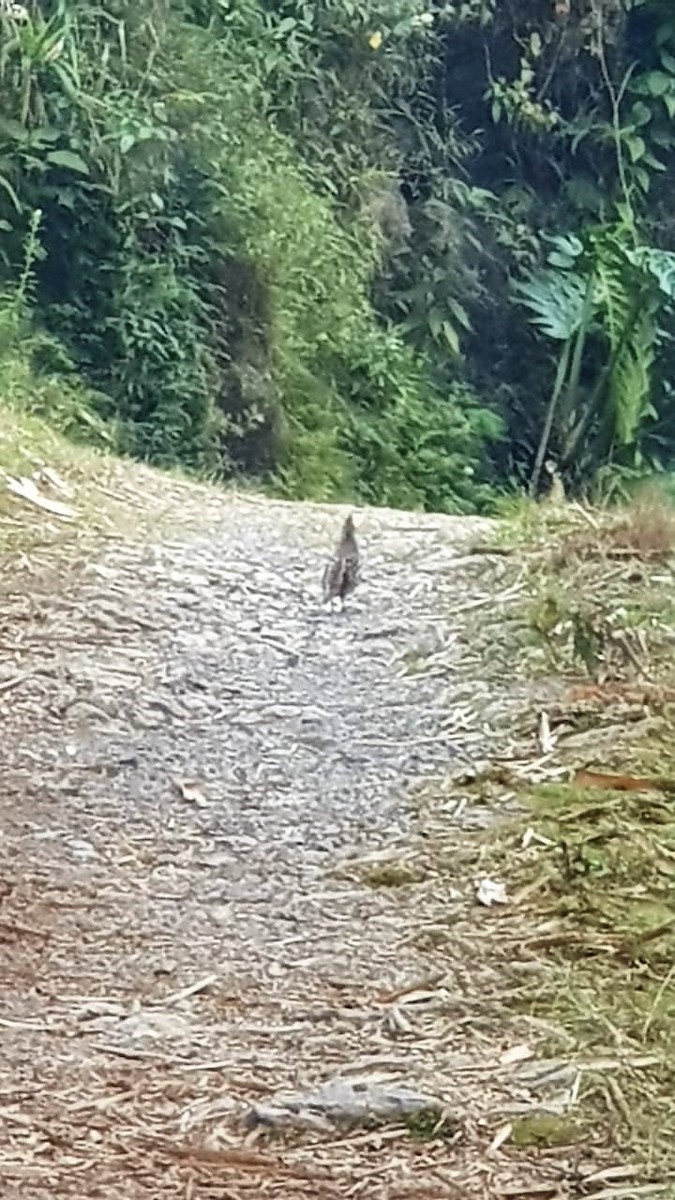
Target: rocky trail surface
209 788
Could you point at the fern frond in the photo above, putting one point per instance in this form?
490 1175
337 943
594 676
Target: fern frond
614 294
630 382
628 310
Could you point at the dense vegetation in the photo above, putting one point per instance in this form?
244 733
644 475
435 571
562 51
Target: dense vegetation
399 251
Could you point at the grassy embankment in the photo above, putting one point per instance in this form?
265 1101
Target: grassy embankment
590 859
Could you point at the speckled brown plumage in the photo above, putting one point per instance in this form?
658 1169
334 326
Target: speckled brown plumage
342 572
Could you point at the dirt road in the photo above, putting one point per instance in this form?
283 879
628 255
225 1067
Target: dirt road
213 876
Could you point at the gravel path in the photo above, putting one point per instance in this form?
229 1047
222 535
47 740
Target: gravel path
207 781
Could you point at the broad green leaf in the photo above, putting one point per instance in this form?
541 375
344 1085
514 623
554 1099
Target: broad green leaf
68 159
451 337
65 197
435 318
655 164
460 314
658 83
636 146
658 263
665 32
4 183
640 113
667 62
585 195
13 130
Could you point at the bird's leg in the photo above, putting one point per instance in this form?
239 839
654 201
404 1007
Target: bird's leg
341 602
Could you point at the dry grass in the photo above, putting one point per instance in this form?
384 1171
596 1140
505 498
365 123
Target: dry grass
647 529
589 933
643 529
595 877
587 946
601 601
591 868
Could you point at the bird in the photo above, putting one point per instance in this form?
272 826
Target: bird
342 572
556 495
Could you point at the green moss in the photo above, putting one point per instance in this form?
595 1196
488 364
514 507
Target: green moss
392 875
544 1130
612 866
427 1126
415 662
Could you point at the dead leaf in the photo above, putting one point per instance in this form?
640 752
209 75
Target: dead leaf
516 1054
27 489
491 891
546 739
192 791
50 477
629 693
502 1135
622 783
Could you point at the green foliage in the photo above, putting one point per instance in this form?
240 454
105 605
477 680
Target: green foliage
433 456
304 241
556 295
600 291
578 144
207 254
37 378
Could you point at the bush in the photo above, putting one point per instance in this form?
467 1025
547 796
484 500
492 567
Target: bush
197 264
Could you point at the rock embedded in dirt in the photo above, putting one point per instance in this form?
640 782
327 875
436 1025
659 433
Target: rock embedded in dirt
345 1102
